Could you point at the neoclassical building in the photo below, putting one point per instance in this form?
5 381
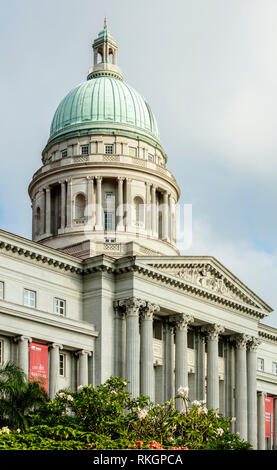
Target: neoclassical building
101 289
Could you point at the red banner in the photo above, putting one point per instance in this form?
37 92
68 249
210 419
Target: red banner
39 363
268 416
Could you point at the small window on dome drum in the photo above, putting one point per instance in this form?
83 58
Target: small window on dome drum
64 153
84 150
109 149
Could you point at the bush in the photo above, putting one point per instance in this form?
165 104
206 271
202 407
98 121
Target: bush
106 417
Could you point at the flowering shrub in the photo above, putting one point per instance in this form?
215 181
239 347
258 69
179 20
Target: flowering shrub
106 417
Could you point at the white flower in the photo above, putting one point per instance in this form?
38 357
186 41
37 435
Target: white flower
203 409
61 394
80 388
183 391
196 403
5 430
114 392
18 430
219 431
233 419
142 413
69 398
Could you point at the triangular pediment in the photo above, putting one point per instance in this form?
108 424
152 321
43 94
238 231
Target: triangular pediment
207 274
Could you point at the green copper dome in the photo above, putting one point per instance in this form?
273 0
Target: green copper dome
104 104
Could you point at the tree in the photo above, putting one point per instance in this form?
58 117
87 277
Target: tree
18 396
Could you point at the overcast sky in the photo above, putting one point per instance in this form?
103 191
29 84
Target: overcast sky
208 69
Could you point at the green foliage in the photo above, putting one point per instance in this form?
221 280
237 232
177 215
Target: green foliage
106 417
18 396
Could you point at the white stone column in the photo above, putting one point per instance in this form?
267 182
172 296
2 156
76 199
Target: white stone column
148 209
120 211
23 353
99 218
165 216
147 382
63 207
181 361
200 365
91 202
241 385
54 369
154 211
212 332
119 340
132 375
171 217
261 421
168 358
69 203
252 390
42 213
128 205
83 367
48 211
275 424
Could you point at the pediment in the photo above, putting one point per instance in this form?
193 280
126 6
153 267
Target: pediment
208 274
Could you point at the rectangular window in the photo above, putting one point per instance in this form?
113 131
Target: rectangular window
64 153
59 306
150 157
109 149
132 151
260 364
108 221
1 290
29 298
62 365
274 368
84 150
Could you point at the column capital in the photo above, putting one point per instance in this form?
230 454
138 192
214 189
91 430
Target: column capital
83 352
132 305
98 178
253 344
148 311
213 331
181 321
22 338
120 179
56 346
119 310
241 340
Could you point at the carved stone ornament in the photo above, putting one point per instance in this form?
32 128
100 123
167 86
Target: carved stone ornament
132 305
213 331
207 277
253 344
241 341
181 321
148 311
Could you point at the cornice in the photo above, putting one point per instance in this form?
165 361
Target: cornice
267 332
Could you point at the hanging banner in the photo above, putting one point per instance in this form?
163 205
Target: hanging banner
268 417
39 364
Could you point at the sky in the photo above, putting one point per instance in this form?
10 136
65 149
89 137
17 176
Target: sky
208 69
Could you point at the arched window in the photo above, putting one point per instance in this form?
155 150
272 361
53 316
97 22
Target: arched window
139 210
111 57
80 206
99 56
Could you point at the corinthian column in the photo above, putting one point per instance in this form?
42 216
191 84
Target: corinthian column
181 360
252 390
147 384
212 331
119 340
120 212
132 306
241 385
261 421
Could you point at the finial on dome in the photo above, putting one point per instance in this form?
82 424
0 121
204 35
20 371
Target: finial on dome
105 23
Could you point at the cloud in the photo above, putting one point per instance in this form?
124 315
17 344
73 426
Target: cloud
253 266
